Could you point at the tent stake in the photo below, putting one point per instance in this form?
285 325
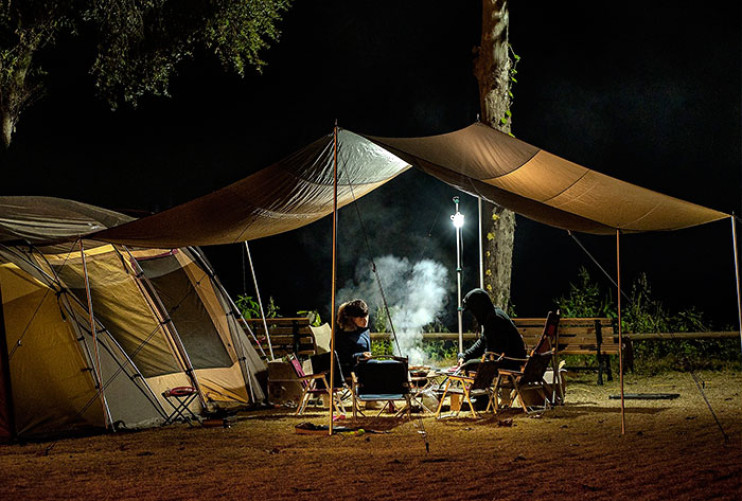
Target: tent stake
736 274
620 337
260 302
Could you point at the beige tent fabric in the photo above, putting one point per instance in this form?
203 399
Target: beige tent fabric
544 187
45 362
53 360
46 219
287 195
477 159
121 305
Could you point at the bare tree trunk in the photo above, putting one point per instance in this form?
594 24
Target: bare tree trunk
8 127
493 71
19 79
15 93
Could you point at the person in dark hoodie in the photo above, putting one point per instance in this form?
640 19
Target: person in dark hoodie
352 334
499 333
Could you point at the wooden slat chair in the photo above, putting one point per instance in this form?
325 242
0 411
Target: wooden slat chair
476 384
517 383
382 378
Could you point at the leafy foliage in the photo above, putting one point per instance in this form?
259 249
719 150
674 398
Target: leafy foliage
250 308
643 313
139 43
586 299
142 41
313 315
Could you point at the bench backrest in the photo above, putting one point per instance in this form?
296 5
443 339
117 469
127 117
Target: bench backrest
287 335
576 336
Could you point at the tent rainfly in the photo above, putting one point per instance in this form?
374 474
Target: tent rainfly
92 334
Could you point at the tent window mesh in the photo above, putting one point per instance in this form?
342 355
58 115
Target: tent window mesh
187 311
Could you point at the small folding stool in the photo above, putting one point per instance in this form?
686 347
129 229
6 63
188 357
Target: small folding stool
179 399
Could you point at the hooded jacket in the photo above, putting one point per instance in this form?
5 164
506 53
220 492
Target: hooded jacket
499 333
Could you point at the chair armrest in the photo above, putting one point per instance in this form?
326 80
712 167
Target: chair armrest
507 372
503 357
311 377
462 379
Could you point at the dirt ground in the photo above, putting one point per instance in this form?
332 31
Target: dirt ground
671 449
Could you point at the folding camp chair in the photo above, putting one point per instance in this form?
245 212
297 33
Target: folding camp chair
381 379
180 398
549 338
473 384
549 342
521 383
317 383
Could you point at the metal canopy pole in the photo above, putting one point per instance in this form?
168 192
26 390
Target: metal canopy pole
736 274
260 301
620 337
458 221
334 275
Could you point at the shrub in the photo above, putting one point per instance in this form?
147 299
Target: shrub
643 313
250 308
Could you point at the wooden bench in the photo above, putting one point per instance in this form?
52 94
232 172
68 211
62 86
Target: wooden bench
287 335
582 336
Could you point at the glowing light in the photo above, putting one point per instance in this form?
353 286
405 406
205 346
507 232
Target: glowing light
458 220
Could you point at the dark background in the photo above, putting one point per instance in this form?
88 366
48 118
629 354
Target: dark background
649 94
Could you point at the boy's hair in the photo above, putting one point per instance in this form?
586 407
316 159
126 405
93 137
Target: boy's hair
356 308
350 310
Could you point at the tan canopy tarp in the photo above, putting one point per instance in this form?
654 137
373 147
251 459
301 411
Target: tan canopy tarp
287 195
40 220
544 187
478 160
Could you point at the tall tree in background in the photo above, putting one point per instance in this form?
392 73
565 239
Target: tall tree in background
494 69
138 43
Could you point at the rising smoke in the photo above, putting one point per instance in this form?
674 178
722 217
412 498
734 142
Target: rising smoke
415 294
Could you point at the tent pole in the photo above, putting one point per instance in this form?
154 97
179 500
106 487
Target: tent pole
260 302
334 274
98 379
620 336
736 274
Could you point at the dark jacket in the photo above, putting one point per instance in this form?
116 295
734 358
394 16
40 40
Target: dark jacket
350 345
499 333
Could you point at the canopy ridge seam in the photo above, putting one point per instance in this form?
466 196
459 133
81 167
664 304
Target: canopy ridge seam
573 183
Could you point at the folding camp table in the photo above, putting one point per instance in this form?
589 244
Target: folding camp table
179 399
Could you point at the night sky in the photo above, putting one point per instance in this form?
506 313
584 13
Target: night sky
650 95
